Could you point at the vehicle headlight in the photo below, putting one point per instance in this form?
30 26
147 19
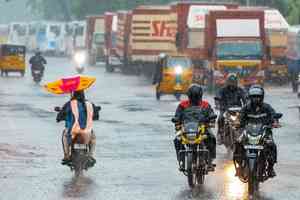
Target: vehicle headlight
273 62
178 70
233 117
191 135
80 57
254 140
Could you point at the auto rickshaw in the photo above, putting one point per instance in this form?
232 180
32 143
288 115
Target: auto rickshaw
176 75
12 59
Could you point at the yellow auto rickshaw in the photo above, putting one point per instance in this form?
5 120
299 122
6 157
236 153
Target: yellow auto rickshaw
176 75
12 59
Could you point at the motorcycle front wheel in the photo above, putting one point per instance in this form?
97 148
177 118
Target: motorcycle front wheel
253 183
191 176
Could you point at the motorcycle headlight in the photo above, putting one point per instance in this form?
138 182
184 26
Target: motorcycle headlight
178 70
80 57
191 135
254 140
233 117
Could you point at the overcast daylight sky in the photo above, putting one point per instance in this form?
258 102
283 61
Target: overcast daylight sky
15 10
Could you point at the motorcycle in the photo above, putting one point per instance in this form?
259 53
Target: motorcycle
80 159
37 75
231 132
80 59
254 164
195 155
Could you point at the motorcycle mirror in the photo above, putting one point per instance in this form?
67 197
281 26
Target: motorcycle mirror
212 117
174 120
278 115
98 108
217 98
57 109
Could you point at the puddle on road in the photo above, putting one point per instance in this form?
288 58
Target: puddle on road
103 103
111 121
23 151
79 187
41 113
144 95
134 108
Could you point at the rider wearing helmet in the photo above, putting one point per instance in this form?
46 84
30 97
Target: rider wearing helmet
229 96
159 67
194 94
256 111
38 62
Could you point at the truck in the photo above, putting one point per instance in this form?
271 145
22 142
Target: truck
123 39
192 33
95 38
293 56
143 34
112 60
276 40
232 49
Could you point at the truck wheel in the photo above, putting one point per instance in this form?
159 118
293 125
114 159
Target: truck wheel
177 96
158 95
109 68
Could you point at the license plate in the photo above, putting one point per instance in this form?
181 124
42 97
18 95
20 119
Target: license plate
79 146
253 147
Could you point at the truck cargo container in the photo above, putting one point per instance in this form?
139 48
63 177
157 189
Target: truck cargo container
293 55
276 35
95 38
123 39
112 60
143 34
236 44
191 38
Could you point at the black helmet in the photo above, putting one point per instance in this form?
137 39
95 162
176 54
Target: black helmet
256 95
38 52
232 81
195 94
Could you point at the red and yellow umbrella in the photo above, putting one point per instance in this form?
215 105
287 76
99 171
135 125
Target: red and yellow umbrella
70 84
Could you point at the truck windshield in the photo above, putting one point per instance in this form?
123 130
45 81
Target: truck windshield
79 31
20 29
55 29
99 38
177 61
239 50
114 39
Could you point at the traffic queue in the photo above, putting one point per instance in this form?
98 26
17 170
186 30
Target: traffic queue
186 48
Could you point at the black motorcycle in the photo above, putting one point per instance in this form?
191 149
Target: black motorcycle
80 159
231 132
254 161
195 155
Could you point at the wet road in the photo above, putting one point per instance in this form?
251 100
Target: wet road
135 156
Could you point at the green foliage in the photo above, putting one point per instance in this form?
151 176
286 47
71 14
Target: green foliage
78 9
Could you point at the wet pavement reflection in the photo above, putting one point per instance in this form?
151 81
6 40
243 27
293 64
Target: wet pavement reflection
79 187
234 188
